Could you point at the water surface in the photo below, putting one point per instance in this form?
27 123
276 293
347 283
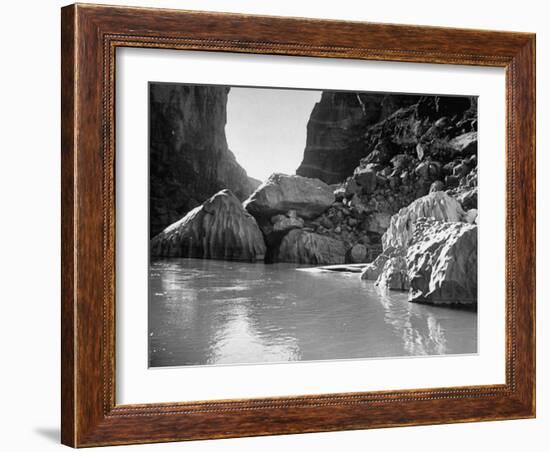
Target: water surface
217 312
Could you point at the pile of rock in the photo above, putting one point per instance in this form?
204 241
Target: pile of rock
425 147
287 219
289 212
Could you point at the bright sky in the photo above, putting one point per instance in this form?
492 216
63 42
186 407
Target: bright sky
266 128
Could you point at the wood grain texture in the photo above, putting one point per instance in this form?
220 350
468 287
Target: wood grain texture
68 147
90 36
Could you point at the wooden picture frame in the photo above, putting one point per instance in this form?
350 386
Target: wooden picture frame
90 36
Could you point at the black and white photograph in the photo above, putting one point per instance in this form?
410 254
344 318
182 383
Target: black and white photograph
301 225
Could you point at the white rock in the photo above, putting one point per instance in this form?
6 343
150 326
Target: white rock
442 263
394 275
219 229
471 216
372 271
281 193
437 205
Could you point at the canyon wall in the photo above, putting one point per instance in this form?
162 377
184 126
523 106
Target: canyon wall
385 180
189 159
335 132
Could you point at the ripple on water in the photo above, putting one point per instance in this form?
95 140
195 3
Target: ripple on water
213 312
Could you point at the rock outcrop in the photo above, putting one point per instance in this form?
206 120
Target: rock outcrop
305 247
218 229
442 263
372 270
431 251
189 156
338 121
394 275
357 254
417 145
280 193
437 205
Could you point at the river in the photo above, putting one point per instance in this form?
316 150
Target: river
204 312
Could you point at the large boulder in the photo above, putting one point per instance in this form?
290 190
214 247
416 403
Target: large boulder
372 271
357 254
281 193
394 275
438 205
468 199
442 263
304 247
284 223
437 186
275 229
465 144
366 178
218 229
471 216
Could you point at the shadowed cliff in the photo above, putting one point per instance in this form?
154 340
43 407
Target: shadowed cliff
189 156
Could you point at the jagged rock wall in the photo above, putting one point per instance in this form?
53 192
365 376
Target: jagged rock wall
335 144
189 159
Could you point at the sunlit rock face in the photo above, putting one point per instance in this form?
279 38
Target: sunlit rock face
218 229
372 271
464 145
189 157
430 249
394 275
309 198
305 247
442 263
436 205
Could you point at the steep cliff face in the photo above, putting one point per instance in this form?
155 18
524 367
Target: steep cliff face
335 142
189 158
346 128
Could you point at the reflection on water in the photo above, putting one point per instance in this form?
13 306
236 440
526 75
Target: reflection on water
217 312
